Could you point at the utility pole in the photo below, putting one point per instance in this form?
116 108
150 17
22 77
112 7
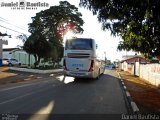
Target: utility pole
105 58
1 44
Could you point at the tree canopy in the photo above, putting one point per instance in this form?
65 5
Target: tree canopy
136 21
48 28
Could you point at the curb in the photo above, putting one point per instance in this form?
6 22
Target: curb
132 104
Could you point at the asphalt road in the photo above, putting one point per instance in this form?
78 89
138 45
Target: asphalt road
65 96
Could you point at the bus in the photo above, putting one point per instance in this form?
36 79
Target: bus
81 59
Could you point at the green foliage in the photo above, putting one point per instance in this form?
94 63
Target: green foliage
136 21
22 37
48 28
48 67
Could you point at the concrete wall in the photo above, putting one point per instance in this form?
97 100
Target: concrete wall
131 68
137 69
125 66
149 72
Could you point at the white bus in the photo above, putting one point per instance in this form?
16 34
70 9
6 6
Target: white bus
81 59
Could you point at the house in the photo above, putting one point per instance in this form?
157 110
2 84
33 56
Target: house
128 62
134 58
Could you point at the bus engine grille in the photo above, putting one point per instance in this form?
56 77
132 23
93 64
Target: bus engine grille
78 55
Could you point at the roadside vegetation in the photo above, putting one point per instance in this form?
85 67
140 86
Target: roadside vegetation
137 22
47 30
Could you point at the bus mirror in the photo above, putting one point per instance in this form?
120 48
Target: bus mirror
96 46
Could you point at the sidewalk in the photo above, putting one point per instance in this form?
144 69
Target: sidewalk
145 95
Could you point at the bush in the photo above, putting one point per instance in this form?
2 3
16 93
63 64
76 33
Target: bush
48 67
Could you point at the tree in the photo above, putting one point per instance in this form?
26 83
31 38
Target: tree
37 43
136 21
22 37
48 28
38 46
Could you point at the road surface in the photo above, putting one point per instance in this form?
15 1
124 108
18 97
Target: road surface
65 96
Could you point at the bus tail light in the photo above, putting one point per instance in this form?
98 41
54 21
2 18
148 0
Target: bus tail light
64 65
91 66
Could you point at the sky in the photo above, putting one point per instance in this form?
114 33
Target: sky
15 22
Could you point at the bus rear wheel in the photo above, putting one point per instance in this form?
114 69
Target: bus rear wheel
98 76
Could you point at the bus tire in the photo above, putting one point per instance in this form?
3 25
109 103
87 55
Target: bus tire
98 75
103 71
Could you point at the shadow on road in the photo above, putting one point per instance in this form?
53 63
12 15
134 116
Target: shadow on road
104 76
80 96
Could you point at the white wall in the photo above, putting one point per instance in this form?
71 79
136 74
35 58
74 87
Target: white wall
125 66
149 72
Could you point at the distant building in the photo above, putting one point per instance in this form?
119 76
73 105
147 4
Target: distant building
22 56
18 54
130 59
108 62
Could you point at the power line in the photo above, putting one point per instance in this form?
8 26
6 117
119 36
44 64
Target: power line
13 30
4 20
12 25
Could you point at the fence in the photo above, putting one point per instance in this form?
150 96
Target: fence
149 72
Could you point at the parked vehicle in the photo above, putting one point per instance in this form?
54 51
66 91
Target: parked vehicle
110 66
81 58
5 61
11 62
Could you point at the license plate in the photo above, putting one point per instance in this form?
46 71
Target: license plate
77 65
78 74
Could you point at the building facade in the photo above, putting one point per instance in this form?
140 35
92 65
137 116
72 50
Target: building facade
18 54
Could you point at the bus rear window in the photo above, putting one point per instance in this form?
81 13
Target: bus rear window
79 44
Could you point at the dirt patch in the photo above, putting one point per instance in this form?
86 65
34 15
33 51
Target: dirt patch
8 76
146 96
4 74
